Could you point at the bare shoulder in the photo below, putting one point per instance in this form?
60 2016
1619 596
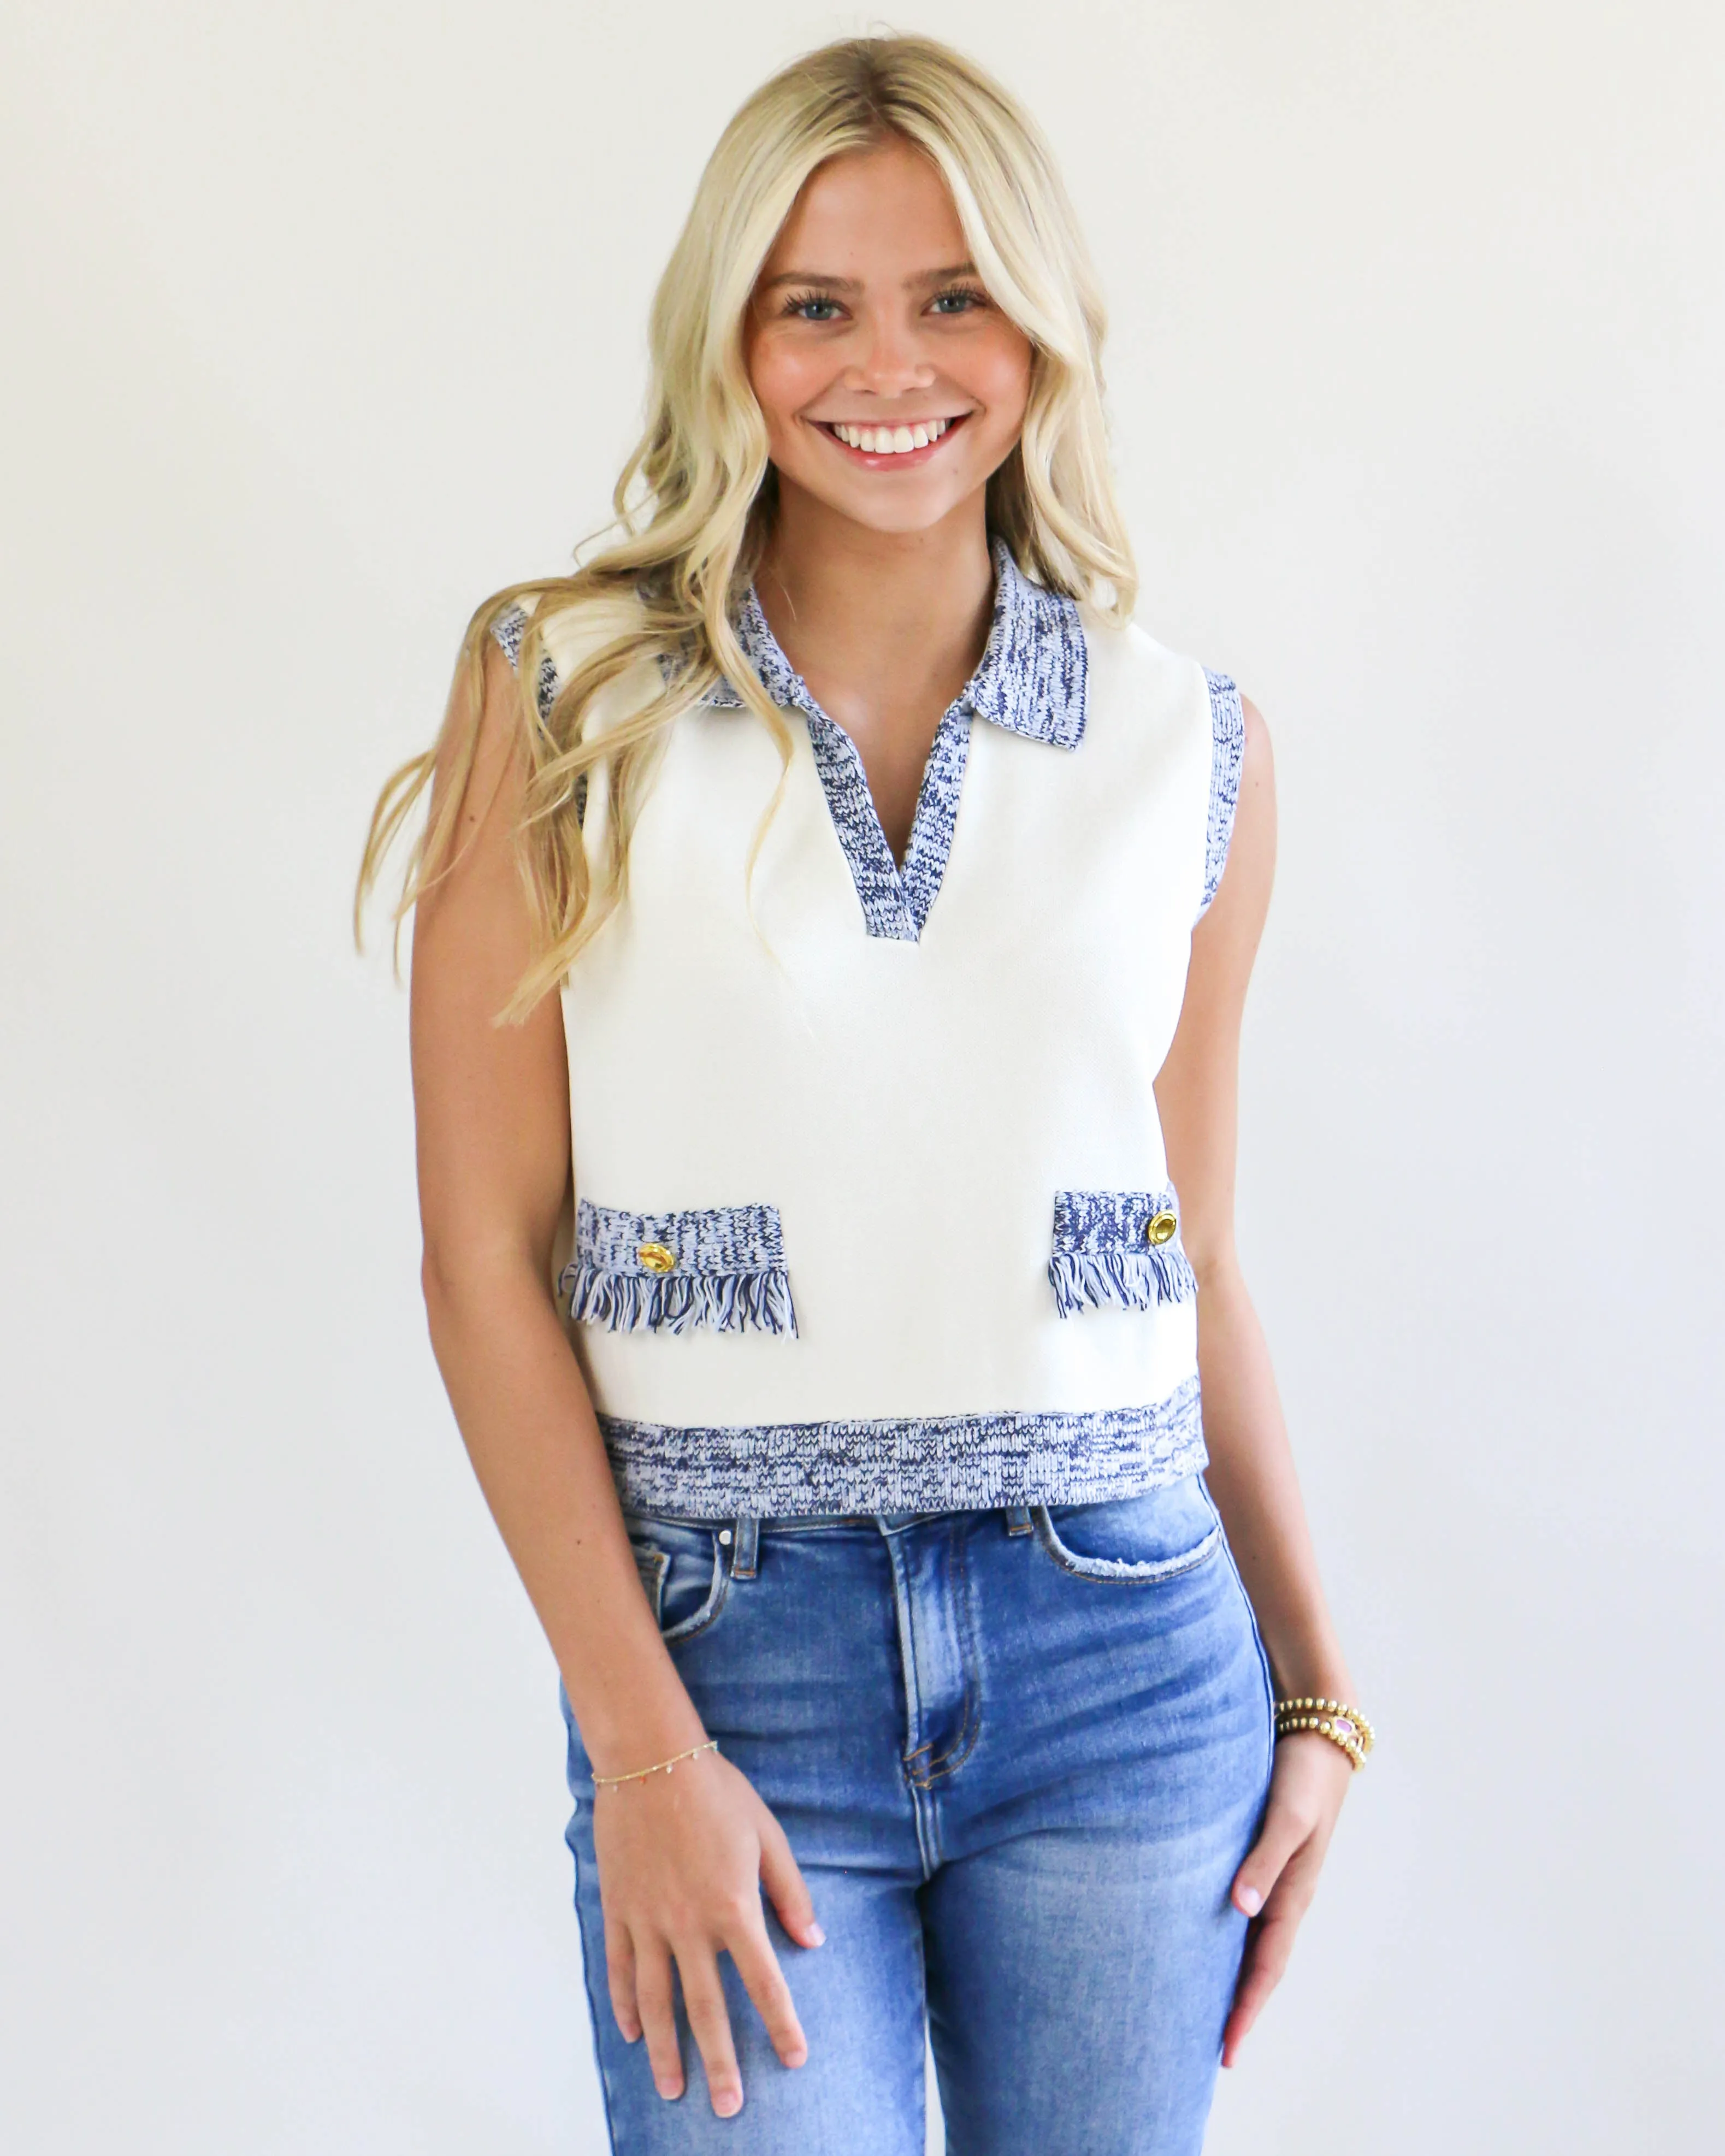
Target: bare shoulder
479 771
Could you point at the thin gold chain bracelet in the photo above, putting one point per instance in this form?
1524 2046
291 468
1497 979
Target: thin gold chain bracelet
1343 1725
664 1766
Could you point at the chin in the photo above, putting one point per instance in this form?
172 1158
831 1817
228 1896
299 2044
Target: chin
914 510
903 520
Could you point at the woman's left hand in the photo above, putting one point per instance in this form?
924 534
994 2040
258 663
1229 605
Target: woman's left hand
1276 1884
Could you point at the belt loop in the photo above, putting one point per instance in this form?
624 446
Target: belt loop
744 1552
1018 1519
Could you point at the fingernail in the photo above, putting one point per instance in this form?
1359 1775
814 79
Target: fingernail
669 2090
728 2103
1251 1900
814 1935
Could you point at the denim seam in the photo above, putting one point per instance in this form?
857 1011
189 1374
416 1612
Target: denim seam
970 1724
588 1974
927 1824
1257 1640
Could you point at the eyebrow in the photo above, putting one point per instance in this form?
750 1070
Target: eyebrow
826 284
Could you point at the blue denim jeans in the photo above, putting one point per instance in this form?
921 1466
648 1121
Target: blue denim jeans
1020 1756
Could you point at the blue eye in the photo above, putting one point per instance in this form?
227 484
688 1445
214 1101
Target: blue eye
811 307
958 300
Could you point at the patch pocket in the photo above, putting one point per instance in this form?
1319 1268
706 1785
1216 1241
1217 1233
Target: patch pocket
1119 1247
1133 1541
721 1266
682 1567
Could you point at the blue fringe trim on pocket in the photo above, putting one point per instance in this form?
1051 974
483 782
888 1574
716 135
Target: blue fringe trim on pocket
729 1270
1100 1256
674 1302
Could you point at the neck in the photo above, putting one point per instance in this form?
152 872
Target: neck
865 606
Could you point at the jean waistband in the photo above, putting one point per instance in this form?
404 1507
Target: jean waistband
743 1534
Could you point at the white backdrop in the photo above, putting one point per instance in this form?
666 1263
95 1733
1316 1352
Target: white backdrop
325 321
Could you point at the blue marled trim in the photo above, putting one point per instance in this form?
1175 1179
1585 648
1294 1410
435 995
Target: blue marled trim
1099 1255
937 815
730 1272
879 887
1032 680
936 1463
508 629
1227 754
1035 670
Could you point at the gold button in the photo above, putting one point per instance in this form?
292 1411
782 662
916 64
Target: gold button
655 1257
1160 1227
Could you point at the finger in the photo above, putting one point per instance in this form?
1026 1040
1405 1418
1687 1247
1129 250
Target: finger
657 2013
620 1978
1284 1830
710 2024
763 1979
1266 1957
785 1890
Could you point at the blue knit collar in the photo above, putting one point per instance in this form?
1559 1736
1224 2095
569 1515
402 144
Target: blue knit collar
1030 679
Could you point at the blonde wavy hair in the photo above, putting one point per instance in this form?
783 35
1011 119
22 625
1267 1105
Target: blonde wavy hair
694 505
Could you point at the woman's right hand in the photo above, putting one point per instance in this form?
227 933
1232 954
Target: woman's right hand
683 1858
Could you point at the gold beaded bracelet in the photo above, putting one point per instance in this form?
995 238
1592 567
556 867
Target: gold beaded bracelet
664 1766
1343 1725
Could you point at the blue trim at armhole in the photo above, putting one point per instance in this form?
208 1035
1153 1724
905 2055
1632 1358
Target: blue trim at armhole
1227 754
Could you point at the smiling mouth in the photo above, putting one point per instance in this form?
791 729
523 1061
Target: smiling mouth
910 442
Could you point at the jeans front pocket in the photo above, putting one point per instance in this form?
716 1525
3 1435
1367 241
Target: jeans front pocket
683 1568
652 1565
1136 1541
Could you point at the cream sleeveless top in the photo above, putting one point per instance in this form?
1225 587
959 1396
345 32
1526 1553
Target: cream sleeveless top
872 1212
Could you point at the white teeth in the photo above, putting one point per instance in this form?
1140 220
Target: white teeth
890 441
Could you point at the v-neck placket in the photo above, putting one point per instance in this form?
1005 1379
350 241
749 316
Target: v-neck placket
1030 680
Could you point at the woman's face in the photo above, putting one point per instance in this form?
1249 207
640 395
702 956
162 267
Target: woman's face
892 385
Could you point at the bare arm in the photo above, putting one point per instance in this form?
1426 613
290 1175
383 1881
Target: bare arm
1251 1470
492 1109
678 1878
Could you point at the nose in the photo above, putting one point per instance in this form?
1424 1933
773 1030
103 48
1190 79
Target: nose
890 363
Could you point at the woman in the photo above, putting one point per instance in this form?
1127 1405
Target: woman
909 1677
